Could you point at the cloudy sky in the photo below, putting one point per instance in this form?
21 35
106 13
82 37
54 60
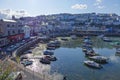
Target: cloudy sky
38 7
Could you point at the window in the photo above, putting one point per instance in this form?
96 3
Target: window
8 32
0 30
18 31
13 32
22 30
8 25
19 25
13 25
0 42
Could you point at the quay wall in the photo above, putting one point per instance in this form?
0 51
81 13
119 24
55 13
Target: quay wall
24 47
84 33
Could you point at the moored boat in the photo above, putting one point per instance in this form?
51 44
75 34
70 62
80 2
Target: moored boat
84 49
87 49
51 58
45 61
55 43
48 52
92 64
51 48
90 54
64 39
106 39
99 59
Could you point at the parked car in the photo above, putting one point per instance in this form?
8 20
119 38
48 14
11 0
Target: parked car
15 76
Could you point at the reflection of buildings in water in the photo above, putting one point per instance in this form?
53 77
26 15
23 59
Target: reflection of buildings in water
113 58
97 43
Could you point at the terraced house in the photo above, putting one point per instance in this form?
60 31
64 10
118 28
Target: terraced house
11 31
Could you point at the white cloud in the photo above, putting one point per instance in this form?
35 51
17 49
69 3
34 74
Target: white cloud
98 4
8 13
79 6
99 1
101 7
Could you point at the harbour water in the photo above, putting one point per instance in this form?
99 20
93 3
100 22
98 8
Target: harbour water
70 62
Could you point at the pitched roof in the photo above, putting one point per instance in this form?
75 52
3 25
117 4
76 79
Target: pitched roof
7 20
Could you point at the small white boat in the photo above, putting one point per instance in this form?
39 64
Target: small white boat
106 39
91 54
84 49
92 64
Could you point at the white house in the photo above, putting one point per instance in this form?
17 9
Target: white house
26 31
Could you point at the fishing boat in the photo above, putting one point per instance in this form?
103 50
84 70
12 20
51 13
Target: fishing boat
55 43
99 59
48 52
106 39
92 64
87 49
50 48
45 61
51 58
90 54
64 39
84 49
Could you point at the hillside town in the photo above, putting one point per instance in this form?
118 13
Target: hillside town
36 48
16 29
